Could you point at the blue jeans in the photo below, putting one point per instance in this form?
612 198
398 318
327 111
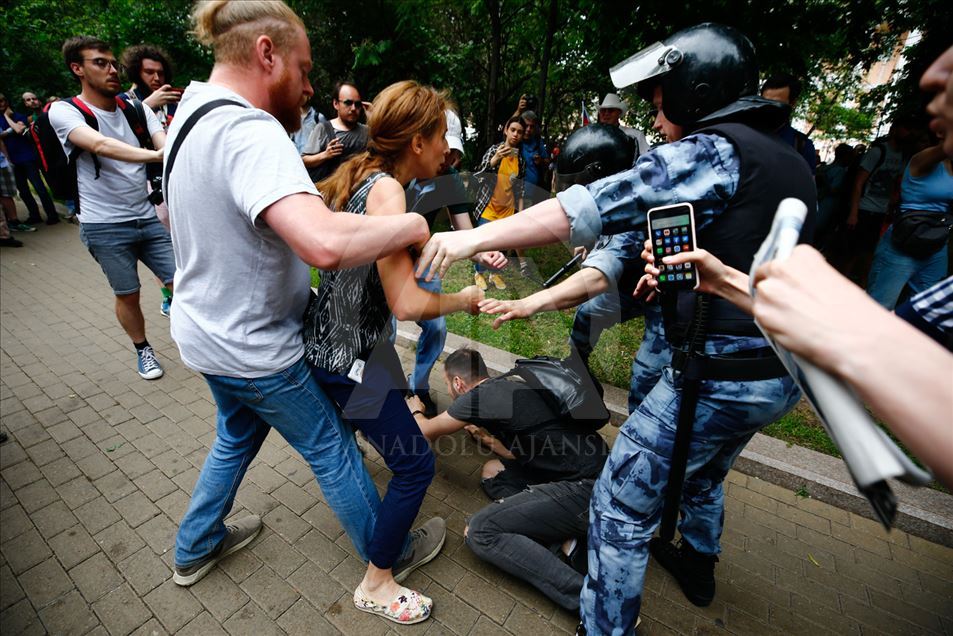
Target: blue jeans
376 407
433 336
891 270
653 356
476 266
292 402
25 174
598 314
627 500
118 247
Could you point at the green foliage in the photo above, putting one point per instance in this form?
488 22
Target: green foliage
448 44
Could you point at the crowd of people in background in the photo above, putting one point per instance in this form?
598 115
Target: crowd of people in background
283 188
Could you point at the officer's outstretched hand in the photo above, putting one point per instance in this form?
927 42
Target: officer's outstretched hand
442 250
506 310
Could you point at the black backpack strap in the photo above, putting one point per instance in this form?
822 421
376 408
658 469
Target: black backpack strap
90 118
186 127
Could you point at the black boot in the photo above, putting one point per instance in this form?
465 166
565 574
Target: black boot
695 572
430 407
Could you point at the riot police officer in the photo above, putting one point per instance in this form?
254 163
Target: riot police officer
734 173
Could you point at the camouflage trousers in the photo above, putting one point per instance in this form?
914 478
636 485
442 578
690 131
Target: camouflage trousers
627 499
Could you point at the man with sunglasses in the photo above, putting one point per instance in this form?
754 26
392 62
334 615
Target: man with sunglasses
331 142
118 224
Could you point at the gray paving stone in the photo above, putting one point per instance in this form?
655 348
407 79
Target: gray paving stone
489 600
79 448
24 551
174 606
319 549
154 485
302 618
144 571
37 495
15 523
95 576
10 590
171 463
31 435
269 591
251 620
151 627
73 546
158 533
96 465
11 454
68 615
174 504
45 582
114 486
278 554
241 565
121 611
294 498
21 618
314 584
219 594
134 465
203 625
136 508
21 474
286 523
97 514
119 541
60 471
77 492
63 431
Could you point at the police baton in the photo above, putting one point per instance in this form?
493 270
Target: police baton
871 456
562 271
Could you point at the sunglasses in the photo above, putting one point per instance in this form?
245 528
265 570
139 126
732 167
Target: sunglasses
102 62
348 103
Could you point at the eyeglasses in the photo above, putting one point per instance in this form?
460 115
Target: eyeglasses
102 62
349 103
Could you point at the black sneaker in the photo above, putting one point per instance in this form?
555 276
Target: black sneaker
430 407
426 542
240 534
695 572
10 242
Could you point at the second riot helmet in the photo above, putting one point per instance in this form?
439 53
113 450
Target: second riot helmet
593 152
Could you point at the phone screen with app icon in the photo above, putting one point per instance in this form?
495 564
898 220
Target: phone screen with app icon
672 231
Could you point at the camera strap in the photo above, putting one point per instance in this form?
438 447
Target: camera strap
203 110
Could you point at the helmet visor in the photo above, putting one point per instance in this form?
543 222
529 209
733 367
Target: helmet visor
587 175
655 59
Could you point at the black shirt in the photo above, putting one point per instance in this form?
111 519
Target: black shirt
550 446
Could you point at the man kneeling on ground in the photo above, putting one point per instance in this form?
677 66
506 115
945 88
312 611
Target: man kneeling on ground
542 484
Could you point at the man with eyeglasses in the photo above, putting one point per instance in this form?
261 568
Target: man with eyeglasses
331 142
118 223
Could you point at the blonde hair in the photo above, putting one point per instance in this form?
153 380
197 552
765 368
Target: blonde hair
401 111
231 27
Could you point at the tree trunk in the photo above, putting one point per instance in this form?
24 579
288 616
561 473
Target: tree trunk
496 37
551 20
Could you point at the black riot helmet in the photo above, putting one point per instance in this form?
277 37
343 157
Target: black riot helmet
593 152
707 72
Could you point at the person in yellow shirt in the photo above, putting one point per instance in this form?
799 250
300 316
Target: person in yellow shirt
500 176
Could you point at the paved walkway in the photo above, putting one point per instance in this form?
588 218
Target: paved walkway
100 464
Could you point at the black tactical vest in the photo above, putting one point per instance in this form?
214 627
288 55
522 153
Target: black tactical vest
770 172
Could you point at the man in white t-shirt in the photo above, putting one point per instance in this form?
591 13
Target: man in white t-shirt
117 223
611 111
245 216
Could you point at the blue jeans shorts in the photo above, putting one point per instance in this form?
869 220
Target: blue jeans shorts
118 246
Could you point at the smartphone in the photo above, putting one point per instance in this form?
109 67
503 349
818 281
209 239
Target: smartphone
672 231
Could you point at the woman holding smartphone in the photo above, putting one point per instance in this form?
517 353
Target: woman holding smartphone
347 339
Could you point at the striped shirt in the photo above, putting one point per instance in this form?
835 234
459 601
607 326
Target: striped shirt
931 312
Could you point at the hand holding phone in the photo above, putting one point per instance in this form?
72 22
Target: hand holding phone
672 231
